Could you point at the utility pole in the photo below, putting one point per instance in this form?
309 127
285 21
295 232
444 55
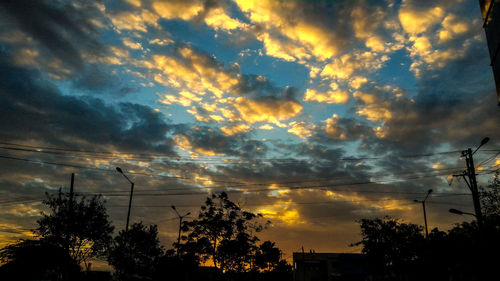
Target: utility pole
471 172
425 214
119 170
71 194
180 227
472 183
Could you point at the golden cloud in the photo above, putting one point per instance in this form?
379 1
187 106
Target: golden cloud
134 20
452 27
193 72
283 212
301 129
236 129
333 129
415 22
266 110
373 109
174 9
131 44
219 20
342 68
184 98
339 96
289 40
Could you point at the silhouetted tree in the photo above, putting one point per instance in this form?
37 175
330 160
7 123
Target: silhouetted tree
268 261
36 260
173 267
223 233
490 198
136 253
81 227
268 256
392 247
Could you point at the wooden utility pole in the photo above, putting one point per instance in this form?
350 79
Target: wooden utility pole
471 172
71 194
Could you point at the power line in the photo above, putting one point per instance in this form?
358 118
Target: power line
40 149
164 176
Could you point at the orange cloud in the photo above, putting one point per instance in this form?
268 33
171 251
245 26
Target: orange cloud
339 96
266 110
301 129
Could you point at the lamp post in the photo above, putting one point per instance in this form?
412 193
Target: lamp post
425 215
180 225
119 170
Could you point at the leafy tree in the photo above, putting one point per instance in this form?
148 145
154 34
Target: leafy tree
223 233
268 256
392 247
81 227
268 261
36 260
178 268
136 253
490 198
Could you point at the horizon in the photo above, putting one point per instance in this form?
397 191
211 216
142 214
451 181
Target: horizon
315 114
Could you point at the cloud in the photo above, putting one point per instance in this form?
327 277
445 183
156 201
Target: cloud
266 109
37 110
337 96
346 66
303 37
57 29
416 18
191 70
236 129
185 10
338 128
301 129
205 140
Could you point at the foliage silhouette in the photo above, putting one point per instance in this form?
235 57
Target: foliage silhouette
36 260
392 247
81 227
267 257
398 251
136 253
223 234
490 198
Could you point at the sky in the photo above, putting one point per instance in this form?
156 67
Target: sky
315 114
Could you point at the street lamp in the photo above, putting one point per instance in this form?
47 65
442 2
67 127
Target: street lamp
458 212
119 170
483 142
425 215
180 225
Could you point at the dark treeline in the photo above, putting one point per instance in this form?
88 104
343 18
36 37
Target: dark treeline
221 243
399 251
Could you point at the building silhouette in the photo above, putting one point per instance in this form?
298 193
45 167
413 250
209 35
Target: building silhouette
490 11
329 267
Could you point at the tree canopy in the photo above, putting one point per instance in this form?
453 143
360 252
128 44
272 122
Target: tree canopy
223 234
36 260
79 226
390 245
136 252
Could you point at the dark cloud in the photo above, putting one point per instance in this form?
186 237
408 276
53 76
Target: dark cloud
62 30
213 140
342 129
95 79
36 110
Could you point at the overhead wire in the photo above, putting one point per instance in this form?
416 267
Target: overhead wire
168 176
158 154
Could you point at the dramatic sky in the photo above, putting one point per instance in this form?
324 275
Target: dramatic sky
313 113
